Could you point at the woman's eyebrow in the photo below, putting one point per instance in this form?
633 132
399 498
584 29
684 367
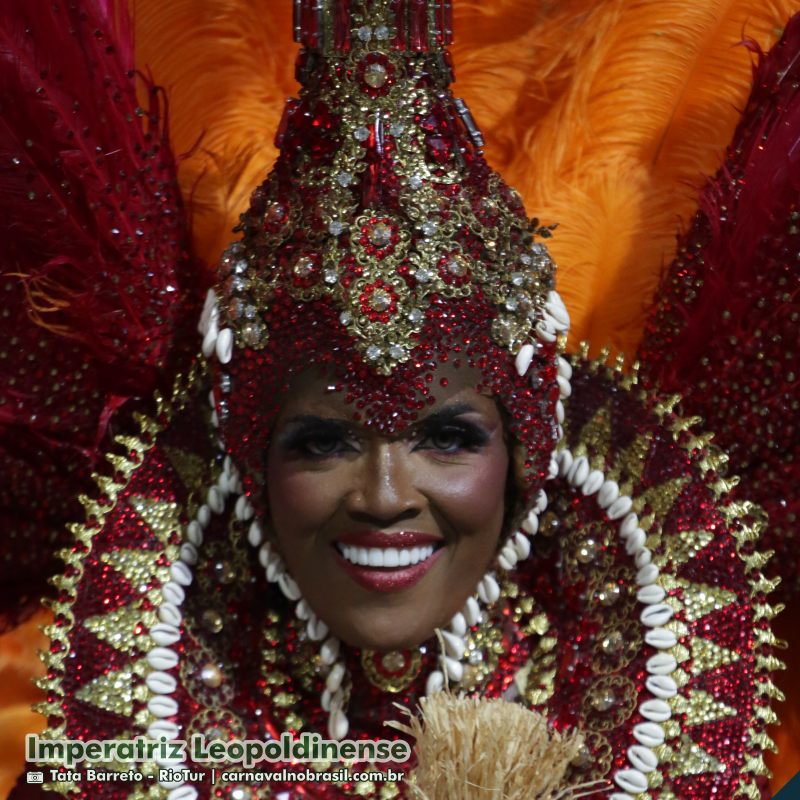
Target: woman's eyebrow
447 414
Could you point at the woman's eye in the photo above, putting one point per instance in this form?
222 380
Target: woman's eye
322 446
453 439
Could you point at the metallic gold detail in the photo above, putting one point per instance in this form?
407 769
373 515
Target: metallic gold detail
111 691
138 566
700 707
118 628
160 515
699 599
691 759
662 497
683 547
707 655
397 681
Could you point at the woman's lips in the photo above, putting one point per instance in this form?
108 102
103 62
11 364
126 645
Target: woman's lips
387 562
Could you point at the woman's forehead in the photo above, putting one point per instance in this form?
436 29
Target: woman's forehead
315 392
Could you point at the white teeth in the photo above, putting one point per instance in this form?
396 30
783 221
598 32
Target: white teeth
387 558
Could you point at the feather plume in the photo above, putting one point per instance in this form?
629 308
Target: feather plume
97 286
575 99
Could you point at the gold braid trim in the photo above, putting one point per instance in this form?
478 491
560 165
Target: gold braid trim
96 510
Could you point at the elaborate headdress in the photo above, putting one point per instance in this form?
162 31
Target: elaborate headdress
382 245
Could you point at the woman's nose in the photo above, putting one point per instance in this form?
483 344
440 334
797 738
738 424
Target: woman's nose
385 489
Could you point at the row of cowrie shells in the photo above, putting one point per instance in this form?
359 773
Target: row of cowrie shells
162 657
654 616
215 341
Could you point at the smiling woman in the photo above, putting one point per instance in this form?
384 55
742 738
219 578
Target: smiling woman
387 534
381 477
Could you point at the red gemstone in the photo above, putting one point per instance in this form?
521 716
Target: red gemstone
418 25
341 26
398 8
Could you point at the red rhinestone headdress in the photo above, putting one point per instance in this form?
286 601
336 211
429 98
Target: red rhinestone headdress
382 245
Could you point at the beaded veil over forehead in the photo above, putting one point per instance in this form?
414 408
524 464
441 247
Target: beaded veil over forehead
382 245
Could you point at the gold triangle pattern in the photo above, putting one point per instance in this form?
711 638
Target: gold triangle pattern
191 468
629 461
691 759
160 515
706 655
698 599
111 691
683 547
700 707
118 628
662 497
595 435
138 566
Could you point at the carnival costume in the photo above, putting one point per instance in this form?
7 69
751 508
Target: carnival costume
627 598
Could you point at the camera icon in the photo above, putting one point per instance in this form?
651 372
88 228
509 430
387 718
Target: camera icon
36 777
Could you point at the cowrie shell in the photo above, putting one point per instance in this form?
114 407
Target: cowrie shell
224 346
631 780
620 507
579 471
531 523
564 368
335 677
651 594
642 758
660 638
162 705
180 573
656 615
647 574
204 515
162 658
338 725
458 625
522 545
194 533
650 734
629 524
608 493
188 553
662 686
169 613
453 645
184 792
564 462
161 683
254 536
643 557
329 651
635 542
524 358
472 611
661 664
164 634
173 593
454 668
655 710
289 588
317 629
488 589
593 482
435 683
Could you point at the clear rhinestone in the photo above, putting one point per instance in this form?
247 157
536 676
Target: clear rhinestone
518 279
225 383
380 301
539 249
602 699
253 334
393 662
397 128
457 266
304 267
336 227
365 33
344 178
376 75
612 643
397 352
429 227
415 316
361 133
250 312
423 275
330 277
240 266
381 234
382 32
415 182
345 317
587 551
525 259
373 352
511 304
475 657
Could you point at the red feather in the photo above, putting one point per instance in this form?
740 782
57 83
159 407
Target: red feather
99 293
726 332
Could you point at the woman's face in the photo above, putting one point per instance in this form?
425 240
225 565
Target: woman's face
387 536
